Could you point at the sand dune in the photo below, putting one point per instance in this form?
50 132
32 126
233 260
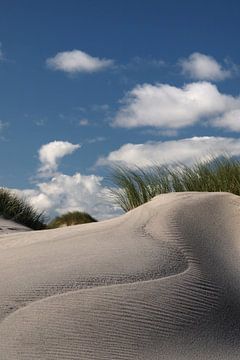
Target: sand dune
10 227
160 282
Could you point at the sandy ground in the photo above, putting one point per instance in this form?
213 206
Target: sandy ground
161 282
10 227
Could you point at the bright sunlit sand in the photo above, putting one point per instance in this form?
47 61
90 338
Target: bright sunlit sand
160 282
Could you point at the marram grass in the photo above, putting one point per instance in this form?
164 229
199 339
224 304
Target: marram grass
71 218
136 187
17 209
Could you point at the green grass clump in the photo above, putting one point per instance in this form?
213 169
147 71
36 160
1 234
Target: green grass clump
17 209
71 218
136 187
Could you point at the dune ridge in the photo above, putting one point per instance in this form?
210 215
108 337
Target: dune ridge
160 282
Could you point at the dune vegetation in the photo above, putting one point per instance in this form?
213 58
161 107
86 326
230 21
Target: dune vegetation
19 210
71 218
133 187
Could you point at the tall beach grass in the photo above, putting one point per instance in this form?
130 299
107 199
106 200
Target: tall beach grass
17 209
135 187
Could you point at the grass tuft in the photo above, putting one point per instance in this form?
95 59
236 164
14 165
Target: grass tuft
71 218
135 187
17 209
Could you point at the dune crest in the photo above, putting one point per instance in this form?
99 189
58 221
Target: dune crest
160 282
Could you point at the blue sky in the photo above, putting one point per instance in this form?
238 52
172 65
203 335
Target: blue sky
90 84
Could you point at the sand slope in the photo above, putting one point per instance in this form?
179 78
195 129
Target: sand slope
161 282
10 227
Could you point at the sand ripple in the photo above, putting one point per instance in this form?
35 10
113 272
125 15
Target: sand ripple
161 282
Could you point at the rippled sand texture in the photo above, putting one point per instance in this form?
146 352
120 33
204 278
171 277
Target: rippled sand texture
161 282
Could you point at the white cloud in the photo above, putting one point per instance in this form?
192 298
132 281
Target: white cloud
84 122
62 193
203 67
65 193
77 61
169 107
51 153
169 152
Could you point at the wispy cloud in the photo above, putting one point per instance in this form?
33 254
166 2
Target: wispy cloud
84 122
40 122
203 67
96 139
165 133
77 61
100 107
138 62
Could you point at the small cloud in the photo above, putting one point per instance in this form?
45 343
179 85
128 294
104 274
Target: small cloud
84 122
51 153
77 61
203 67
40 122
166 133
97 139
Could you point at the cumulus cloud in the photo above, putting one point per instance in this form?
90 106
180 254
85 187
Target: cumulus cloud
51 153
203 67
77 61
60 193
169 152
169 107
65 193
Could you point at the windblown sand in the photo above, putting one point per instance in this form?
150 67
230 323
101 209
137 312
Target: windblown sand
160 282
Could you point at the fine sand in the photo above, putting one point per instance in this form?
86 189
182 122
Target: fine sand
161 282
10 227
